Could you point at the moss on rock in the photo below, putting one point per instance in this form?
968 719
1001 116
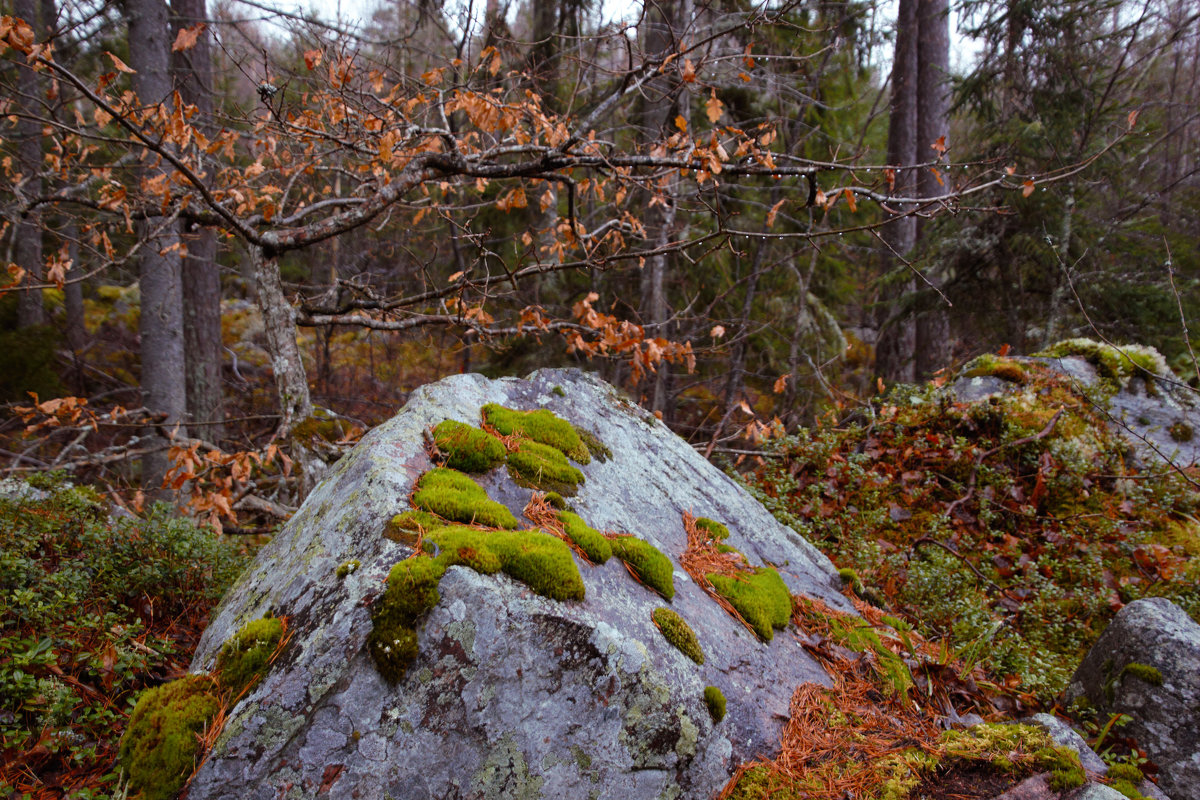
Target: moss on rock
761 597
539 560
1144 673
714 698
454 496
348 568
540 466
589 540
466 447
988 365
598 449
541 426
161 746
243 658
713 528
676 631
651 566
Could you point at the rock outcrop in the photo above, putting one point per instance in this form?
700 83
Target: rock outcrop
1147 664
511 693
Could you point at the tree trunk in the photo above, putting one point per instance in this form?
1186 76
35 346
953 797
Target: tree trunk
933 349
192 73
291 379
161 319
897 333
28 233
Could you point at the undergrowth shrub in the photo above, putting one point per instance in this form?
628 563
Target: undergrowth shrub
93 609
1013 539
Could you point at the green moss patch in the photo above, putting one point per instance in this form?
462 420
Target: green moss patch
348 568
466 447
161 746
714 698
713 528
761 597
587 538
1125 778
243 659
676 631
1144 673
989 365
652 567
541 426
1114 363
539 466
454 496
540 561
598 449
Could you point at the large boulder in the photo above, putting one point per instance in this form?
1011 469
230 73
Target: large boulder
511 694
1147 664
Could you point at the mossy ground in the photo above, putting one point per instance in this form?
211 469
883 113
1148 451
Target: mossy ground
456 497
647 561
676 631
1012 539
161 746
467 448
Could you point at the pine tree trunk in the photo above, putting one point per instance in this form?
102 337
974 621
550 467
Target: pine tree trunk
192 73
897 333
933 350
161 320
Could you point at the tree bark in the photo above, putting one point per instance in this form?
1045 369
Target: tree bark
28 233
933 349
161 320
897 333
193 77
291 379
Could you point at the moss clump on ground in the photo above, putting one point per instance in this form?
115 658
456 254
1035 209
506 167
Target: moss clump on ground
454 496
243 659
1015 749
714 698
161 745
676 631
1125 778
467 448
1144 673
540 466
713 528
851 579
1181 432
988 365
541 426
540 561
761 597
652 567
589 540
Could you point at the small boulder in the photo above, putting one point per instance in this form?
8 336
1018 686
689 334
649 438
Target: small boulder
1147 664
494 688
